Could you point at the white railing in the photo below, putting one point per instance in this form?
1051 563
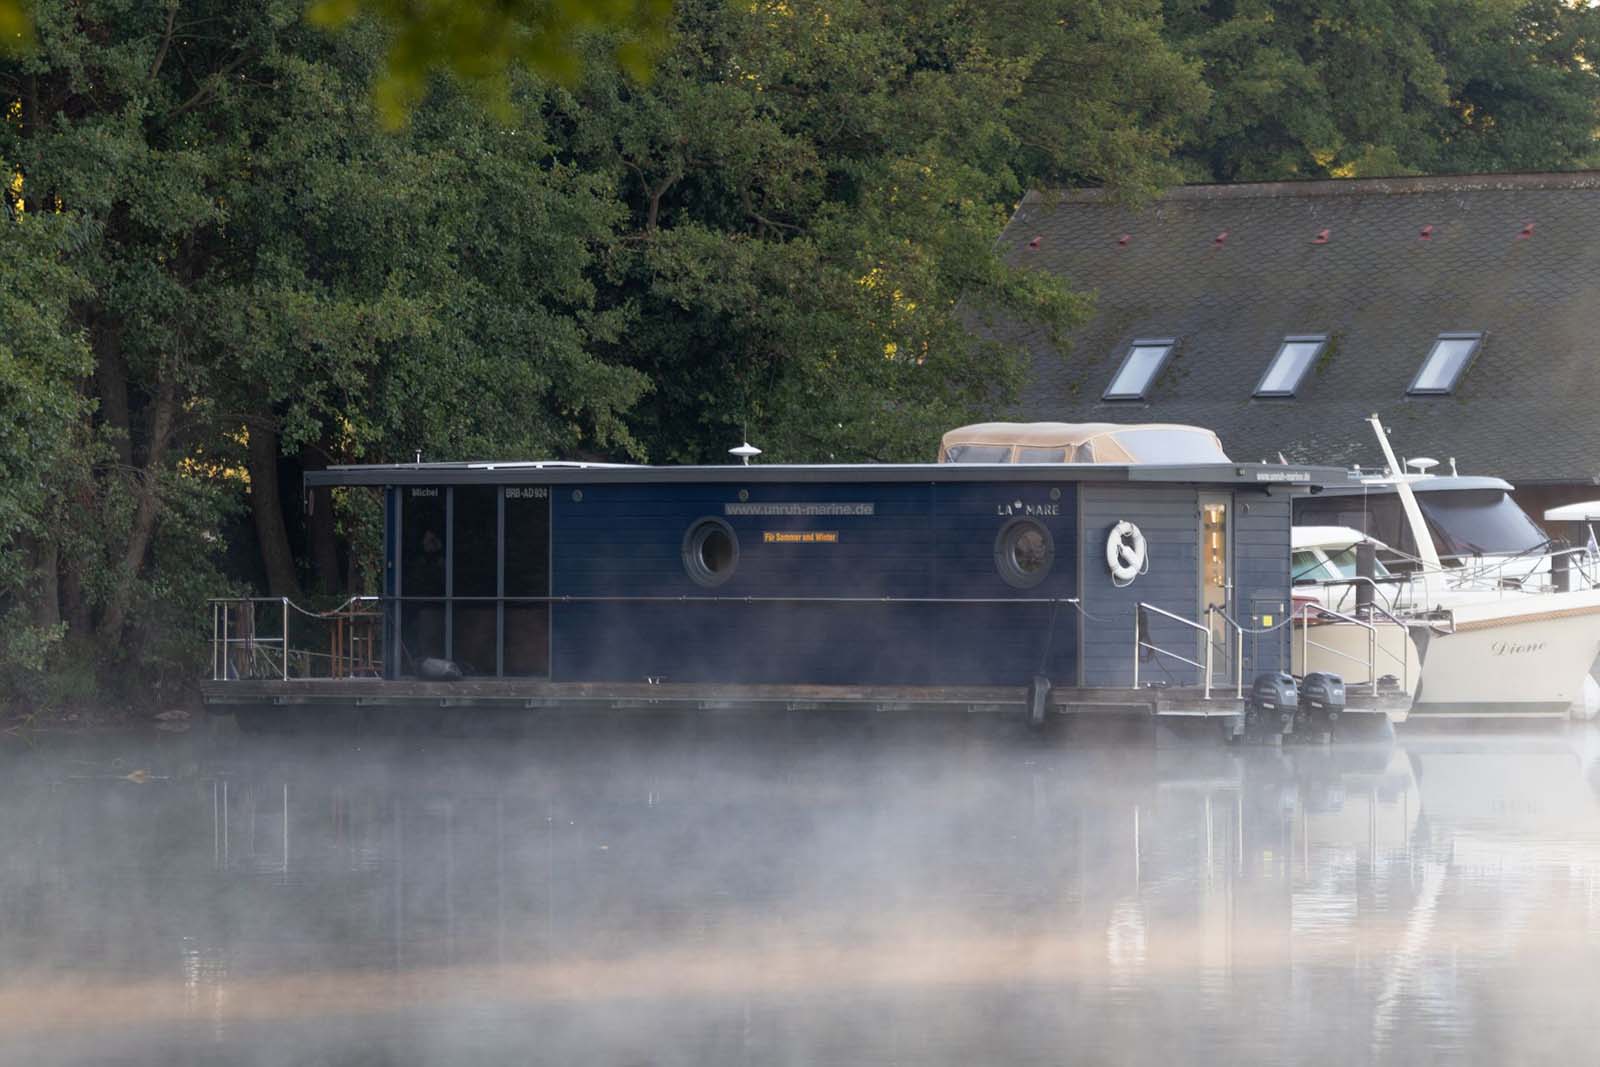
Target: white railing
1206 668
257 637
1304 613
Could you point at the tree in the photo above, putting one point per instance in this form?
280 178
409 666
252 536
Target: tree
1302 89
256 269
814 191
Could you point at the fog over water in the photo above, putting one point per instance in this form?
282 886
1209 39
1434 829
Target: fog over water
796 892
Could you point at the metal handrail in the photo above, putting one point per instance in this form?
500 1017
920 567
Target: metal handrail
1238 658
1139 642
1372 640
277 647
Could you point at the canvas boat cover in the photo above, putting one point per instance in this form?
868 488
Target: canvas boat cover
1081 442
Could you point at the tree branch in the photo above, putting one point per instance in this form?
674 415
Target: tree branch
166 40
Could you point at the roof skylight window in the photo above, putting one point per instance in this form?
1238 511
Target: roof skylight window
1139 368
1288 368
1447 361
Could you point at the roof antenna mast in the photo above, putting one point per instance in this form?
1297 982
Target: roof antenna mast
746 450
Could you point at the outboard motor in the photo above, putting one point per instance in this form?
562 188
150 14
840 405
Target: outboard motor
1273 703
1321 703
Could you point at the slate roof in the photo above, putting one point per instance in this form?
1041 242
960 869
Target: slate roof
1527 409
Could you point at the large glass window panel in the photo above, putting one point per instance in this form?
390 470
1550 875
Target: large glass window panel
527 638
476 521
421 633
1138 370
1441 371
1288 368
472 631
422 540
527 540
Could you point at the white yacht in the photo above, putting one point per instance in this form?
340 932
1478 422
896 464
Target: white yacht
1504 622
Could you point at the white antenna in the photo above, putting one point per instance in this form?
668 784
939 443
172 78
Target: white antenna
419 456
744 452
1423 464
1453 470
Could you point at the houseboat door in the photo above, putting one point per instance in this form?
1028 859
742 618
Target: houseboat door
1216 577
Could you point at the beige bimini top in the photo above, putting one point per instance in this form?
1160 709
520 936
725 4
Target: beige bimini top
1080 442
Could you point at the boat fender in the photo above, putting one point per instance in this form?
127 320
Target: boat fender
1038 700
434 669
1126 553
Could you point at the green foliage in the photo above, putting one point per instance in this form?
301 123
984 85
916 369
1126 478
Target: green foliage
16 28
220 248
1304 89
814 191
484 43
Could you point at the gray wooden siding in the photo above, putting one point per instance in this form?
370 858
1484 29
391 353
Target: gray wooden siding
1261 577
1169 520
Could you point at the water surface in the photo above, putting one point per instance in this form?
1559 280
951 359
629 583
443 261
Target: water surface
817 893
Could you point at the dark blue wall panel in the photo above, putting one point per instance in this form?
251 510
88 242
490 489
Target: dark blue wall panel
920 541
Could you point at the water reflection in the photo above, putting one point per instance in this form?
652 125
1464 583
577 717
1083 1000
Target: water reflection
708 896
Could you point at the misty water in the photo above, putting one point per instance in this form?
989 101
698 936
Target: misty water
793 892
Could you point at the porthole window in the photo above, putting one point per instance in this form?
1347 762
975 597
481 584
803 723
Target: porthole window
1024 553
710 552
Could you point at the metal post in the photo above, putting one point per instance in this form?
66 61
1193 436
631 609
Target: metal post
286 639
1366 573
1211 648
1372 657
1305 640
1136 638
1238 667
214 606
224 641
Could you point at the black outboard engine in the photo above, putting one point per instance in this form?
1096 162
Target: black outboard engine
1273 703
1321 703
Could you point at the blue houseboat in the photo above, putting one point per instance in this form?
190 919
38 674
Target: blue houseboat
1036 569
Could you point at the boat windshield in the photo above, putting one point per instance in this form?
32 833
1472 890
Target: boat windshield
1344 561
1307 566
1463 522
1478 522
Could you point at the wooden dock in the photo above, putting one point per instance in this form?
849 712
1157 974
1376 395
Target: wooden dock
533 695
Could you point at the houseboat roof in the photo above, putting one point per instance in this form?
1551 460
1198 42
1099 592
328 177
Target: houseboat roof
1081 442
485 472
1428 484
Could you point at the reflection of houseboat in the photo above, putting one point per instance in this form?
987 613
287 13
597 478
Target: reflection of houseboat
1072 573
1506 621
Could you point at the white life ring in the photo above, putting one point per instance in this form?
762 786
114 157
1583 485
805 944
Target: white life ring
1126 554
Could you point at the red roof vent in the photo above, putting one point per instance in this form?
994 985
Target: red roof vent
1426 233
1034 244
1124 239
1527 231
1321 238
1220 239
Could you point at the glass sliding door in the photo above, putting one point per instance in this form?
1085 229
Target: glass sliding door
422 584
474 578
474 567
526 548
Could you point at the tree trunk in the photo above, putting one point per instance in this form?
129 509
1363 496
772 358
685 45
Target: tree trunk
266 508
146 514
323 530
111 386
47 592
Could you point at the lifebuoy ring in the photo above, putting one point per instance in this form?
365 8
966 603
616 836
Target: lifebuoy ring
1126 553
